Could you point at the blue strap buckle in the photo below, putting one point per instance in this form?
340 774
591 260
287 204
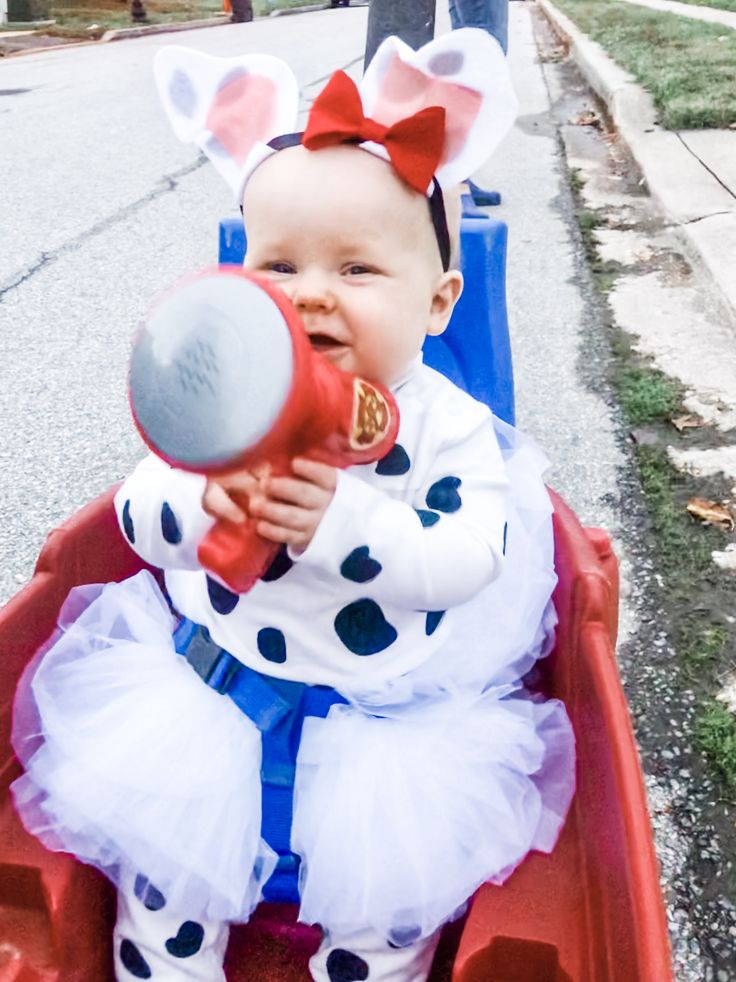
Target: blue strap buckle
213 664
251 692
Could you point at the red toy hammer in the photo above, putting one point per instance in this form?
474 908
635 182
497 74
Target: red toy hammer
223 377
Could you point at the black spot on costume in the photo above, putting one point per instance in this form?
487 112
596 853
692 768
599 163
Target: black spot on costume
272 644
169 525
402 937
224 601
433 621
345 966
134 961
395 462
149 896
363 629
279 567
128 526
188 940
427 518
443 495
359 566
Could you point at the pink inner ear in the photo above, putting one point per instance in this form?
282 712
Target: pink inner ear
405 90
243 114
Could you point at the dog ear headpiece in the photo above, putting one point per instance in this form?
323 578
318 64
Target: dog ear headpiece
436 114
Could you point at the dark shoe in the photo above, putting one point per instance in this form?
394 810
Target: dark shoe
242 11
483 197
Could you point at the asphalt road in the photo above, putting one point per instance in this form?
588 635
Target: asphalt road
102 208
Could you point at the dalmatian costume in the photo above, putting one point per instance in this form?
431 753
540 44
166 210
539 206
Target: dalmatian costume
418 606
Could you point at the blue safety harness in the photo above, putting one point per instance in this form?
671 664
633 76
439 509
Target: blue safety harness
277 707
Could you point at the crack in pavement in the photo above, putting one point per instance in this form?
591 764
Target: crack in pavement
703 163
167 183
702 218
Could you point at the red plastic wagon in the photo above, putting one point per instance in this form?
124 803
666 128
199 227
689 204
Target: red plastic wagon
590 912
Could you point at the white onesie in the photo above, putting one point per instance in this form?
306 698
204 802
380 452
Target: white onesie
403 541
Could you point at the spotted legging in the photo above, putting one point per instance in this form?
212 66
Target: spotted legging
153 943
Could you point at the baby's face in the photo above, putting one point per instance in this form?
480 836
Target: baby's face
355 251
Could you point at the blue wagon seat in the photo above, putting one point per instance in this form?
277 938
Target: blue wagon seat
474 352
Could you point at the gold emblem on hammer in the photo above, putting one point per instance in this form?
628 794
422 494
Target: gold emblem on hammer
371 416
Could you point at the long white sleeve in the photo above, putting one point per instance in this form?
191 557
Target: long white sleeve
160 513
434 552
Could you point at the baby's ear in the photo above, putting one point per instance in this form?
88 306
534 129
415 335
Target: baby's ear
446 294
229 107
465 72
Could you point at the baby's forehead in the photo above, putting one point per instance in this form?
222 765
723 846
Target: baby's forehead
334 174
344 194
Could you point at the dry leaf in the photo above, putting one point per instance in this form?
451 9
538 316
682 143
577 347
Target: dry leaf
588 118
689 422
710 512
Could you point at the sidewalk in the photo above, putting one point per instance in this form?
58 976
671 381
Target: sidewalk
713 15
691 174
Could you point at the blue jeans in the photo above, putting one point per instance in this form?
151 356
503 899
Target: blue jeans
491 15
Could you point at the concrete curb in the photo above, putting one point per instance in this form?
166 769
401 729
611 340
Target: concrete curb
306 9
309 8
186 25
689 195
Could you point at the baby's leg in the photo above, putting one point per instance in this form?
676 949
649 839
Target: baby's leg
152 942
367 955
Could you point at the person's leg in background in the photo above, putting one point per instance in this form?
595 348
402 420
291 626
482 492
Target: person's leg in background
490 15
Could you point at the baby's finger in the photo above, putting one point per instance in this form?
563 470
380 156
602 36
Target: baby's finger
288 516
295 492
239 481
218 503
323 475
276 533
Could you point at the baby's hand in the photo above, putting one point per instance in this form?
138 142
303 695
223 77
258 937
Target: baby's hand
289 509
226 496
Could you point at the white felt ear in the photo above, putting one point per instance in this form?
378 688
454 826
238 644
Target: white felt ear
464 71
229 107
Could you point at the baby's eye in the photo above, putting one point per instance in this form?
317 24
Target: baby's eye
358 269
280 267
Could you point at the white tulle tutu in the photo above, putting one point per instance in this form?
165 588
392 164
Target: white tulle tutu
401 819
131 761
406 799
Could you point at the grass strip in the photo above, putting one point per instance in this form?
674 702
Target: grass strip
715 735
687 66
648 394
698 597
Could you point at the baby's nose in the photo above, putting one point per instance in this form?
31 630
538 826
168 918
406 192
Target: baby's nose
312 291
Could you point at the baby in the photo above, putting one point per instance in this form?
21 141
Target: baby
407 599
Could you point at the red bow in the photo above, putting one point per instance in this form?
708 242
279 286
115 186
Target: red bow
414 144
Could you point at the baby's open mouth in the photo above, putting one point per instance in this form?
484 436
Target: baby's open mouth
324 342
